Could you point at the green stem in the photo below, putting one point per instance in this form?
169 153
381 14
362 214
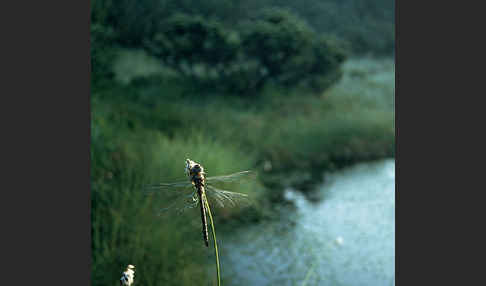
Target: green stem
309 272
215 242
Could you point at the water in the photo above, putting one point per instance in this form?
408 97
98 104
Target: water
348 238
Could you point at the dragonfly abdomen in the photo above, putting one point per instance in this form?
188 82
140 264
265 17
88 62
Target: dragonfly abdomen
199 184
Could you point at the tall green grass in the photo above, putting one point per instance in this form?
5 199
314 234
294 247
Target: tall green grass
125 228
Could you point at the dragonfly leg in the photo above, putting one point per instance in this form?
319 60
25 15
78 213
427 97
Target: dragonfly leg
195 201
190 204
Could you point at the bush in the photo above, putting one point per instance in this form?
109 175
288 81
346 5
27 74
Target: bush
192 45
291 51
326 69
278 40
275 47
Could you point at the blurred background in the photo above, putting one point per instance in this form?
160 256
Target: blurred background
300 91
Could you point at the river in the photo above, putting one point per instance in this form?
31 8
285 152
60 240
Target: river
347 238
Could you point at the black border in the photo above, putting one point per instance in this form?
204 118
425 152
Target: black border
46 192
431 85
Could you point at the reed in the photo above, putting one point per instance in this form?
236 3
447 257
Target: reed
218 276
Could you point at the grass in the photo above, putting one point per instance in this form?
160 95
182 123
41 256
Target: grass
215 241
124 225
141 132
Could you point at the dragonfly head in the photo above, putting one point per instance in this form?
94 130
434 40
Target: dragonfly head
193 168
197 168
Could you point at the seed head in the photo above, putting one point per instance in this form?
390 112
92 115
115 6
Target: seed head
128 276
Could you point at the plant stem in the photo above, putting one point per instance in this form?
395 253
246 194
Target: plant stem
309 272
215 242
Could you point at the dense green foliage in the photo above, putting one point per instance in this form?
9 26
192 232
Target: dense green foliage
275 47
238 47
145 123
289 51
367 26
102 53
198 49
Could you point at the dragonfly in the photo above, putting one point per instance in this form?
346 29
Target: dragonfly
197 189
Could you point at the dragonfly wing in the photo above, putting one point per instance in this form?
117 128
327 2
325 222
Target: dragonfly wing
235 177
177 205
215 196
168 187
172 198
225 198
